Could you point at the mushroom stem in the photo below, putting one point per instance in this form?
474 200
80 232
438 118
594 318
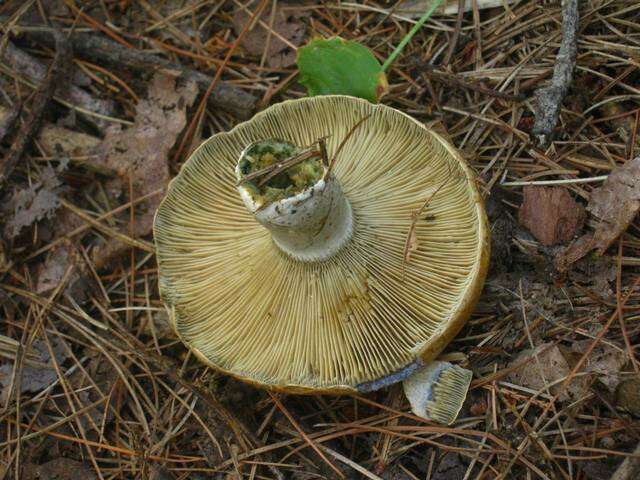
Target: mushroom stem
309 226
437 391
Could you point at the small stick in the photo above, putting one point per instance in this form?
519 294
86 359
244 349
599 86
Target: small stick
100 50
455 81
290 163
550 98
286 163
414 221
323 151
564 181
342 143
42 98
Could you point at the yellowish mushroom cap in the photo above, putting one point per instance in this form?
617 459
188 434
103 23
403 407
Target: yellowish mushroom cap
365 317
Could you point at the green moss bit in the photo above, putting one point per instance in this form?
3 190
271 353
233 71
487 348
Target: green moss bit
287 183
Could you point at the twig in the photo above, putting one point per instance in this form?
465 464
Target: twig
411 235
275 168
455 81
342 144
42 97
630 468
550 98
111 232
187 137
566 181
456 34
104 51
311 443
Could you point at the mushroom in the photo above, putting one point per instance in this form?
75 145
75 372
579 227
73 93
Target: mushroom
291 272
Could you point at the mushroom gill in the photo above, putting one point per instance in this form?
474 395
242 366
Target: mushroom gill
345 322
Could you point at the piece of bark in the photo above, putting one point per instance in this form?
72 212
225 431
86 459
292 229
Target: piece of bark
42 98
549 99
104 51
615 204
551 214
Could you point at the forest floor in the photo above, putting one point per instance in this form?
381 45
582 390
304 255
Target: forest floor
93 382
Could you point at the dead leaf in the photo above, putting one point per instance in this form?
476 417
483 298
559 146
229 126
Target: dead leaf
450 467
615 204
29 205
59 469
628 396
35 378
162 327
51 272
544 366
140 153
604 361
551 214
287 22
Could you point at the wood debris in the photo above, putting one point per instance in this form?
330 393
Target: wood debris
550 98
41 100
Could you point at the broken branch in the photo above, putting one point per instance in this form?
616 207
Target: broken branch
103 51
550 98
42 98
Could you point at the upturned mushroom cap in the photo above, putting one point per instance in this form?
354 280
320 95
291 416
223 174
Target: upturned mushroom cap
358 320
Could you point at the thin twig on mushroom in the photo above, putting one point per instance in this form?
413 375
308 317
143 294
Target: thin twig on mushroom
342 143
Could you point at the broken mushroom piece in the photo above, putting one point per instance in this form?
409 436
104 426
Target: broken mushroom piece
318 278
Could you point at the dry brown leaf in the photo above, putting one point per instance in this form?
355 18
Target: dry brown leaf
545 366
287 22
550 214
51 272
29 205
605 362
34 378
139 154
615 204
628 395
59 469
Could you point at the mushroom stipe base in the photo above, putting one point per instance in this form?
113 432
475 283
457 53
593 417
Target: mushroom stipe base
298 308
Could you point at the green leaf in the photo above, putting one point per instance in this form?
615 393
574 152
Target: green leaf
341 67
